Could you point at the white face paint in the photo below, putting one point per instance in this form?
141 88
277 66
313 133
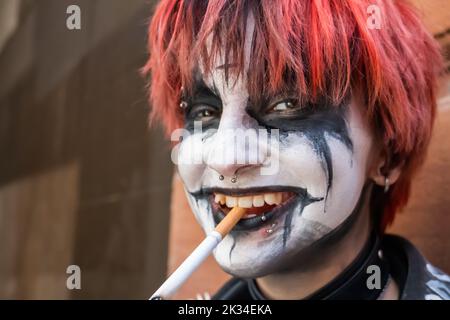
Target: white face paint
322 160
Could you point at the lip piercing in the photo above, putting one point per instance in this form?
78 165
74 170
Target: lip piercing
263 218
221 177
273 225
269 231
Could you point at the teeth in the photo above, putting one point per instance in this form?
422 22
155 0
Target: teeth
258 201
219 198
250 201
230 201
270 198
245 202
278 197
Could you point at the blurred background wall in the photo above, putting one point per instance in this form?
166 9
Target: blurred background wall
82 179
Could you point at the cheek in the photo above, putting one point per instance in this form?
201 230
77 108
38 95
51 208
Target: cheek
189 157
349 178
301 166
201 210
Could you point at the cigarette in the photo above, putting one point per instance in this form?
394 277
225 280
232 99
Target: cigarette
195 259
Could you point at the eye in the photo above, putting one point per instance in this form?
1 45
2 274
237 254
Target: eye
203 113
284 106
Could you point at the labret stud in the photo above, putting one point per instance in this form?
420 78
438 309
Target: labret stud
263 218
270 230
234 179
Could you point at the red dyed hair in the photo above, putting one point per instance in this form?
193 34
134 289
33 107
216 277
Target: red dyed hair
327 46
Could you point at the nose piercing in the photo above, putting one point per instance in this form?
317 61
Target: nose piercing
233 179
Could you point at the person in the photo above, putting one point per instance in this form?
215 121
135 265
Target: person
315 117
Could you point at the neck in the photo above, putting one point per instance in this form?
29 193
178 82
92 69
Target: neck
300 283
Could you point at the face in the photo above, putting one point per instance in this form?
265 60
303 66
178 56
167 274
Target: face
321 163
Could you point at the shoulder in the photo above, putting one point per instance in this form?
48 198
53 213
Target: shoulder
418 279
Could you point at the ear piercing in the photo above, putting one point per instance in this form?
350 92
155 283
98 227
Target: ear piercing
386 184
380 254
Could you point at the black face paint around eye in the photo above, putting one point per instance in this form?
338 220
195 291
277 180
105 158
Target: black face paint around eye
314 122
201 100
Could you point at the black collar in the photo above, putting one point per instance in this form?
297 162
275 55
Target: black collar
351 284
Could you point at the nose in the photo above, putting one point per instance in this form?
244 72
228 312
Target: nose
233 153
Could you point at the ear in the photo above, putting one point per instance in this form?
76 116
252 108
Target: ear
384 171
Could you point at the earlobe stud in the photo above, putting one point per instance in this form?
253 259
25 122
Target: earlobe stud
386 184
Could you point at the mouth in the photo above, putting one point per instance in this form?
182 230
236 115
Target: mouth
263 204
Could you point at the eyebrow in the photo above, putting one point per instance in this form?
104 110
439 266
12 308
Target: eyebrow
200 87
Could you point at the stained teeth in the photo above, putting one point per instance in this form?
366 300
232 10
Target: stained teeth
231 201
219 198
245 202
250 201
258 201
278 197
270 198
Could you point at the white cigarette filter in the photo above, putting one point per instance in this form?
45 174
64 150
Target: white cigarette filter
203 250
